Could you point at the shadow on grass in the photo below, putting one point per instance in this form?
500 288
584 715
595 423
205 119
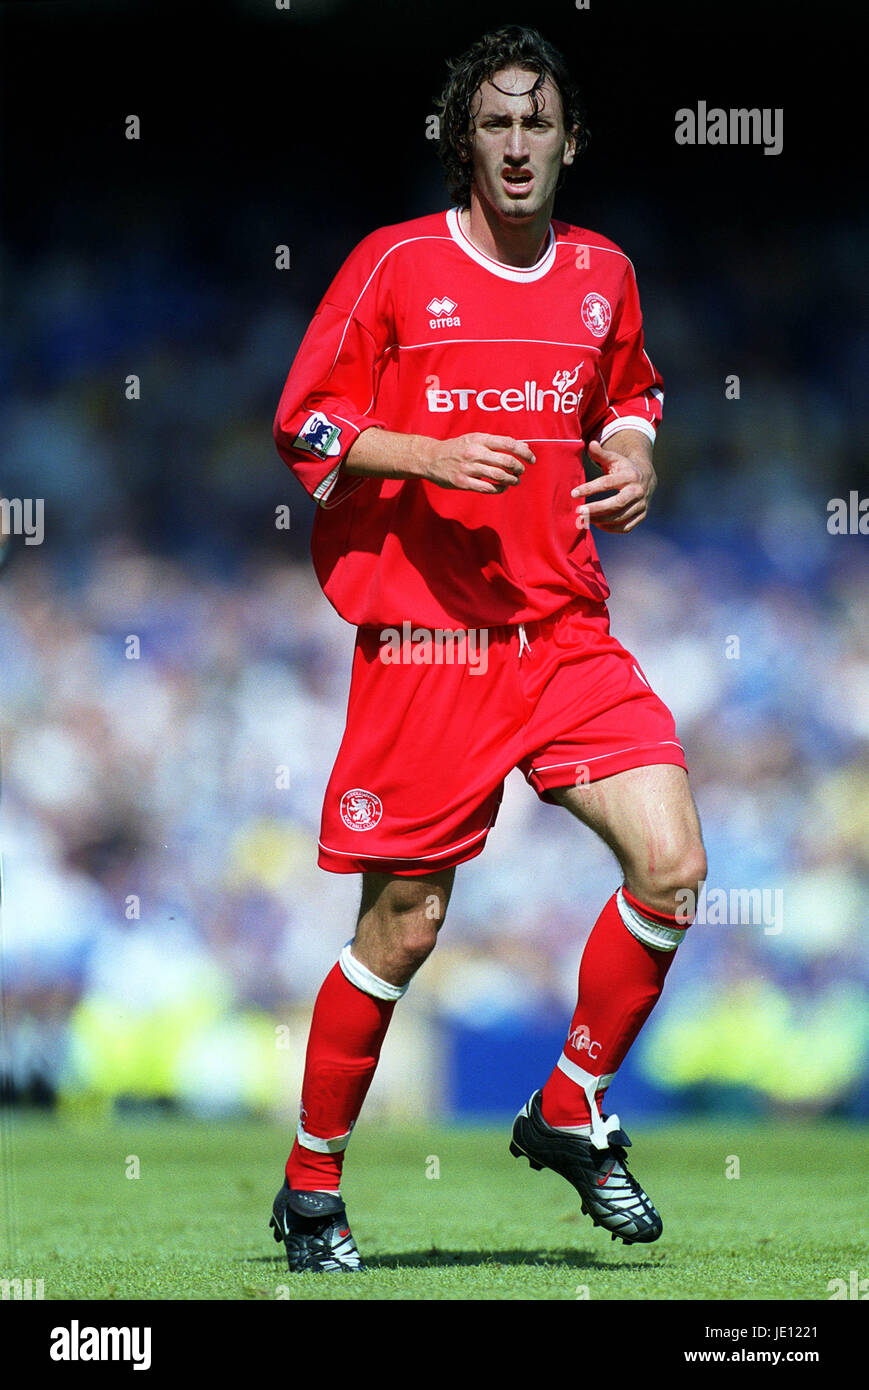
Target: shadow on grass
475 1259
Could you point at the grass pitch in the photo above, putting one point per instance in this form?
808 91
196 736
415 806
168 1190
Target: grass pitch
179 1209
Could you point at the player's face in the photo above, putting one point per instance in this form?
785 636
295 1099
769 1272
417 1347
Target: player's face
517 154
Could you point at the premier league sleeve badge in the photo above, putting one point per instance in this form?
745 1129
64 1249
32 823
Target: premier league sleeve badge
319 436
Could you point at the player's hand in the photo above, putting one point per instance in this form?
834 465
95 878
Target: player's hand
631 483
478 462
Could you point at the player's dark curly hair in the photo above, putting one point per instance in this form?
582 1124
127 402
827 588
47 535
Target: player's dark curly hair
511 46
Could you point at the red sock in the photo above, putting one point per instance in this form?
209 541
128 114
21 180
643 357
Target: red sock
347 1032
620 980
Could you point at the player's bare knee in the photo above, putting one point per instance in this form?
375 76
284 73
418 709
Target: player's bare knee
414 919
395 899
694 869
396 935
673 882
399 948
418 943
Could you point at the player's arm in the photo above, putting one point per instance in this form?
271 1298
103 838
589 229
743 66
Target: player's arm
330 395
327 428
619 499
472 462
621 419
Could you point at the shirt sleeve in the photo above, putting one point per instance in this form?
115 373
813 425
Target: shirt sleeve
329 396
629 391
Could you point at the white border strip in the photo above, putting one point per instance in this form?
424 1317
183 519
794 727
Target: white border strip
540 342
365 979
628 422
409 858
589 1085
574 762
520 275
650 933
322 1146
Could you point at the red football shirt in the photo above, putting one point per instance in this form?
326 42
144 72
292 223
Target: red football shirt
422 333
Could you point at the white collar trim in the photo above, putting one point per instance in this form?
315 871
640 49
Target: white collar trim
522 275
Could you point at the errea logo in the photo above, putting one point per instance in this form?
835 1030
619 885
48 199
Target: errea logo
444 313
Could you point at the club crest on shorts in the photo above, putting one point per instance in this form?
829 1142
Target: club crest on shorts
319 436
360 810
596 314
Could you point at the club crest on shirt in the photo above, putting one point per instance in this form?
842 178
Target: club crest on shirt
596 314
360 810
319 436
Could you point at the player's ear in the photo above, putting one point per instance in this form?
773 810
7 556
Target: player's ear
570 146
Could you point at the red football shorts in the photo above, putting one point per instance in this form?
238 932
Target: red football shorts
436 721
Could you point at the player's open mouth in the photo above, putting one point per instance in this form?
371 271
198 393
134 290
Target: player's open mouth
517 179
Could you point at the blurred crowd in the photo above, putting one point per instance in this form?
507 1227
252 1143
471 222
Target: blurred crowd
173 687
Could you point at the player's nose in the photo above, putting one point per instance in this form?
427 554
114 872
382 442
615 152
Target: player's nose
517 144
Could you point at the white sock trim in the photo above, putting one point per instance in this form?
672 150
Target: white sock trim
590 1085
580 1077
365 979
322 1146
653 934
